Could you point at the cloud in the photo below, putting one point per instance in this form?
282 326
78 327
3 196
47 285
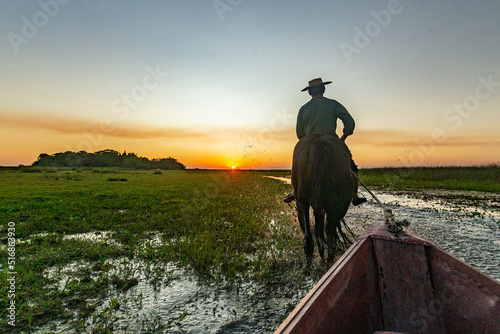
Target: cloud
394 138
379 138
75 126
72 126
251 145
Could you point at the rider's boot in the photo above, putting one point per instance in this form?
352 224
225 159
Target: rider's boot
290 197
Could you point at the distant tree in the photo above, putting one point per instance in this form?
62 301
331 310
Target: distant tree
168 163
105 158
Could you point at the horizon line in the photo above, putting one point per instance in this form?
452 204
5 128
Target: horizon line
493 164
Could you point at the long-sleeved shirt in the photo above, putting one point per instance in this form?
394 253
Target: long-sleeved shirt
319 116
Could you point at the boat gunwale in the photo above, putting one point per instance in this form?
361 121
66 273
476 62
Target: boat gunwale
439 262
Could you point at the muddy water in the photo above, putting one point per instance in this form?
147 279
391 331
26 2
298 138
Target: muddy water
465 224
186 304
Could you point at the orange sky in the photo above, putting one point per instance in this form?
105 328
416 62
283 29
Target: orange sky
243 148
213 90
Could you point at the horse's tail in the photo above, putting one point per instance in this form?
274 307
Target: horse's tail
322 176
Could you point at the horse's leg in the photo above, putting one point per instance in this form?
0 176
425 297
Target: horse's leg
303 213
319 231
331 236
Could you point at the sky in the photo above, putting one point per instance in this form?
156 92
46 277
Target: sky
217 83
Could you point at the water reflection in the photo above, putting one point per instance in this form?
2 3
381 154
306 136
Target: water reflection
464 224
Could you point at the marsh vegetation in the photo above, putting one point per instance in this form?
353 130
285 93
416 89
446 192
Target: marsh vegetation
83 240
111 250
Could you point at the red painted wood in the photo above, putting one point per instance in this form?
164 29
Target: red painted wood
344 301
469 300
405 284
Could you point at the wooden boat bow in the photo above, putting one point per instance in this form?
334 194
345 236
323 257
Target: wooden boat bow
384 283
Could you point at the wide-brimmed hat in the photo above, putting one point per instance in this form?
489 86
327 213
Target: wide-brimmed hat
315 82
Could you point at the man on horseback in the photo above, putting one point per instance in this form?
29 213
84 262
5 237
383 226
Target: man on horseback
319 116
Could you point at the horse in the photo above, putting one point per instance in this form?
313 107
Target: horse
321 179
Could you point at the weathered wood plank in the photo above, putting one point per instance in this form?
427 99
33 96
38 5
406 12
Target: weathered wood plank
346 299
405 288
469 300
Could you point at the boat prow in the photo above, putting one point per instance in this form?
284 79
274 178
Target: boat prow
404 284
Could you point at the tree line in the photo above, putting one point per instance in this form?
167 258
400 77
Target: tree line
105 158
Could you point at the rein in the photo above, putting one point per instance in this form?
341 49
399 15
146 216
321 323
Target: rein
394 226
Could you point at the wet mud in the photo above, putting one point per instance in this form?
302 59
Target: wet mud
465 224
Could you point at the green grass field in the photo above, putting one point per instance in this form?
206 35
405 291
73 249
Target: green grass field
217 222
483 178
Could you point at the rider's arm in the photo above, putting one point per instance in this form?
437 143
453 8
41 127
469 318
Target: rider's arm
300 126
347 119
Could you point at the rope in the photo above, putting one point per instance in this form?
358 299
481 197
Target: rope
388 215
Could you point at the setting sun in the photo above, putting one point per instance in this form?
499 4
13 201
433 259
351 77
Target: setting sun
452 120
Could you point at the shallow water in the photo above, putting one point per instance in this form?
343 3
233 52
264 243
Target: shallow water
187 304
465 224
